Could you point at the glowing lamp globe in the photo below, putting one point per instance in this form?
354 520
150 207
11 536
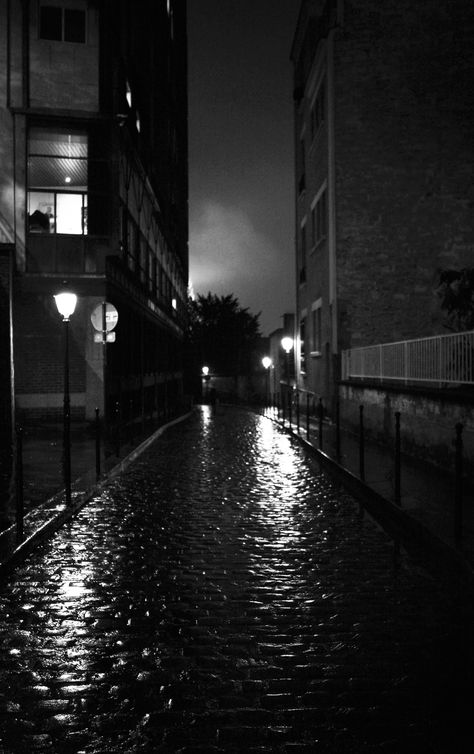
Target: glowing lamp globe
66 303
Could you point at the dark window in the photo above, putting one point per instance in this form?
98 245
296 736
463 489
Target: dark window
302 345
62 24
51 23
316 344
318 111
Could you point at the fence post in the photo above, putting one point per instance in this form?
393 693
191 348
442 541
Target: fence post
307 415
97 444
338 431
20 507
320 412
458 468
398 498
361 444
117 428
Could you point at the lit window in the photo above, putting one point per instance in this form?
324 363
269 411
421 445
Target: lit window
62 24
57 181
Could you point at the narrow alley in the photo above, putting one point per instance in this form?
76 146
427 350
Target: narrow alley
225 595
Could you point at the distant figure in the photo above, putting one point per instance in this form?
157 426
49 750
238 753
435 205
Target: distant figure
38 222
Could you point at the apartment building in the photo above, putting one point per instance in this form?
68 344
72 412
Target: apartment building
93 199
384 116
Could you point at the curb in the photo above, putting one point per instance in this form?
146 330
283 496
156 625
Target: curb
57 519
393 519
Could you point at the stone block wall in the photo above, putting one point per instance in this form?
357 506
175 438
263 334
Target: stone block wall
404 118
427 420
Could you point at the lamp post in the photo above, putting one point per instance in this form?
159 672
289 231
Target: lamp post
206 378
287 345
267 362
66 303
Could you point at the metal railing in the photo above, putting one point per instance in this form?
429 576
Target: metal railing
440 359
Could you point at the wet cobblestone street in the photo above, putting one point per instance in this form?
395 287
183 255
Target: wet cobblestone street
225 595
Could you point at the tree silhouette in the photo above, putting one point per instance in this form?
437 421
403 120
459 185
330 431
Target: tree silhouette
456 291
222 334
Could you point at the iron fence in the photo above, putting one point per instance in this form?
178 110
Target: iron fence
439 359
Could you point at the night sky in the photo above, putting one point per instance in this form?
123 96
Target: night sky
241 203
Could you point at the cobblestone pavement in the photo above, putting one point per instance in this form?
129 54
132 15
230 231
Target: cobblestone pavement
225 595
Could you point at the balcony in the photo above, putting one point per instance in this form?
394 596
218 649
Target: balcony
66 254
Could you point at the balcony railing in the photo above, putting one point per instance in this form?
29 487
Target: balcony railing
66 254
440 359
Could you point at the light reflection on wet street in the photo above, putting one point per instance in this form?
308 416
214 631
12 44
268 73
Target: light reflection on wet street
225 595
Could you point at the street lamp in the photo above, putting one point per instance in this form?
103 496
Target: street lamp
206 377
267 362
66 304
287 345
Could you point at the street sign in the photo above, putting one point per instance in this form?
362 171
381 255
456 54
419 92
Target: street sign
110 337
111 317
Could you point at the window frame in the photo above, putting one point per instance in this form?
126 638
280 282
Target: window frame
65 11
52 190
316 327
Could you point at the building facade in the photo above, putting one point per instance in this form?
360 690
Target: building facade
384 115
93 198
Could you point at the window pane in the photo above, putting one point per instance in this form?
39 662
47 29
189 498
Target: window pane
69 213
74 25
57 159
50 23
40 212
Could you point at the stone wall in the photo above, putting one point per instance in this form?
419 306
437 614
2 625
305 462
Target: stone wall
427 419
404 117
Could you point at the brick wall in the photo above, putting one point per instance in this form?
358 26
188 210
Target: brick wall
39 352
404 121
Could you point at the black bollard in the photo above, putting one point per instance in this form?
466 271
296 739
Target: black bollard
20 507
117 429
297 411
361 444
320 412
307 416
397 471
289 409
97 444
338 432
458 468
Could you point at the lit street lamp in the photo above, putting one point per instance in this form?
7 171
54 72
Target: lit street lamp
66 303
206 377
287 345
267 362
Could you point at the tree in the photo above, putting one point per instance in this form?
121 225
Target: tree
456 291
222 334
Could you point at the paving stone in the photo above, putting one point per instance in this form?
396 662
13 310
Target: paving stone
224 595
